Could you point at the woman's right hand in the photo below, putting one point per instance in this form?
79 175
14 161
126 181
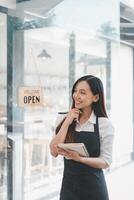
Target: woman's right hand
72 114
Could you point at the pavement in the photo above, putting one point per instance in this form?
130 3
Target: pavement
120 183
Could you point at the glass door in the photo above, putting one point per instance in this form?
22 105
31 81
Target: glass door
54 43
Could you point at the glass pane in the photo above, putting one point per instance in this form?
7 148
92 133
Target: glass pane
52 75
3 115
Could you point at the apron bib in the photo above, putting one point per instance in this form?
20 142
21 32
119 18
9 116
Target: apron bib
82 182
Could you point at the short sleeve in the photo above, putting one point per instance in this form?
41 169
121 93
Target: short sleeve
106 131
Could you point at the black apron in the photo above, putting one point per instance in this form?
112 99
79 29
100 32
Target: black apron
80 181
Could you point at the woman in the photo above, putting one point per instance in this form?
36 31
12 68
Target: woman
86 122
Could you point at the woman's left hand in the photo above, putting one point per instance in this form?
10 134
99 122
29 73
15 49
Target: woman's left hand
73 155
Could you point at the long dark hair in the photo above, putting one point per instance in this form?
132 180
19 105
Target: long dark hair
98 107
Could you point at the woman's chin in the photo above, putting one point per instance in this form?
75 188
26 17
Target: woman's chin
78 106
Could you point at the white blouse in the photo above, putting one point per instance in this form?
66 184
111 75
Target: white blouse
106 131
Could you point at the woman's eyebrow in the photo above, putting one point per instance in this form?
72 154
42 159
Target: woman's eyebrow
83 89
80 89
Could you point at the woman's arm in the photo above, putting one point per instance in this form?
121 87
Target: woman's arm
96 162
106 144
61 135
59 138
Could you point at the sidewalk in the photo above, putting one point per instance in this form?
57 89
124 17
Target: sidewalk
121 183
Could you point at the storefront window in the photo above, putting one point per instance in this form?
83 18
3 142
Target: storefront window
54 43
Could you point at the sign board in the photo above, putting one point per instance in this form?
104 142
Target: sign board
30 96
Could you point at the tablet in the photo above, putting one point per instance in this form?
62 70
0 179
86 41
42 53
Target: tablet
78 147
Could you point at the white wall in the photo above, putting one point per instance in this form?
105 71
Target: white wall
122 100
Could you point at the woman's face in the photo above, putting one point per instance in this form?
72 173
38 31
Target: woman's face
83 96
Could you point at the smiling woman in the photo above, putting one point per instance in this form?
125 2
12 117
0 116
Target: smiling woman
82 93
93 128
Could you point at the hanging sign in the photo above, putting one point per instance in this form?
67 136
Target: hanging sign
30 96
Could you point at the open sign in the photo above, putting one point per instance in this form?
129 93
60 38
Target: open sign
30 96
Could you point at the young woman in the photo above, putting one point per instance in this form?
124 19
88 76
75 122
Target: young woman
87 123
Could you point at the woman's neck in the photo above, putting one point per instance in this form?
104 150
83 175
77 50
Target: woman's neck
86 112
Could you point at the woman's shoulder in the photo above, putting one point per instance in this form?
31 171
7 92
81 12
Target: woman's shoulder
106 123
60 117
105 120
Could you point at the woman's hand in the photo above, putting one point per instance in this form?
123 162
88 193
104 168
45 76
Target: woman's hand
73 155
72 114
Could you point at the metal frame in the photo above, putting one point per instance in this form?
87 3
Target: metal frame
126 23
9 107
132 154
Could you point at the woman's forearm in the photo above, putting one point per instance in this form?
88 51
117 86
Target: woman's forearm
61 135
59 138
94 162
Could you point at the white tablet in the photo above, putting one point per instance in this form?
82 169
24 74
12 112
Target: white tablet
78 147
